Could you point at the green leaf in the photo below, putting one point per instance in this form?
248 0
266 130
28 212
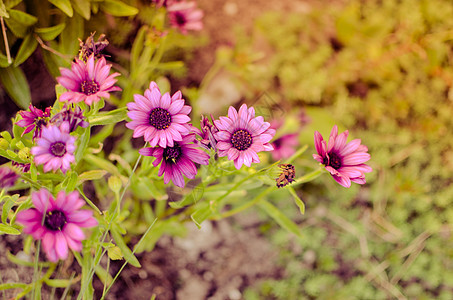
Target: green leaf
26 49
103 275
137 47
82 7
130 258
16 85
70 35
4 61
60 283
83 144
64 6
9 203
91 175
118 8
279 217
22 17
111 117
297 200
104 164
114 253
3 12
201 214
50 33
8 230
192 197
7 286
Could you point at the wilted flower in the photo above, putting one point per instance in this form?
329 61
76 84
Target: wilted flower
286 176
7 177
87 82
207 133
55 149
241 136
185 16
57 222
24 168
34 119
90 47
177 160
159 118
345 162
74 118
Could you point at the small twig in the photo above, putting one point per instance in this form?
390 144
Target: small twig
5 38
44 46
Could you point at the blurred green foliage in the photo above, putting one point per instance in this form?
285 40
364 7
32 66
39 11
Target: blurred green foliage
383 70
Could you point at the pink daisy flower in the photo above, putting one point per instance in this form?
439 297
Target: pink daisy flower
87 82
285 146
57 222
185 16
345 162
34 119
55 149
177 160
241 136
159 118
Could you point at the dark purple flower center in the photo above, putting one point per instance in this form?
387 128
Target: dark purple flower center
55 220
58 149
160 118
334 161
172 154
241 139
180 18
89 87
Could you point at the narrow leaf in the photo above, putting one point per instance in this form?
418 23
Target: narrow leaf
8 230
279 217
91 175
22 17
111 117
50 33
82 7
118 8
123 247
64 6
16 85
297 200
26 49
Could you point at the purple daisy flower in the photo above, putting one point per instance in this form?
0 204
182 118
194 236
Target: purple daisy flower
185 16
159 118
241 136
7 177
345 162
34 119
55 149
57 222
285 146
87 82
177 160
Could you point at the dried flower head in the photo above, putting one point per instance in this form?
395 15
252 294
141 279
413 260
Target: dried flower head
57 222
90 47
345 162
23 168
34 119
286 176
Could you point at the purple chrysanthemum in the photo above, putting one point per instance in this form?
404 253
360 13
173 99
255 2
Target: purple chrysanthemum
34 119
7 177
57 222
241 136
185 16
87 82
345 162
159 118
177 160
55 149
